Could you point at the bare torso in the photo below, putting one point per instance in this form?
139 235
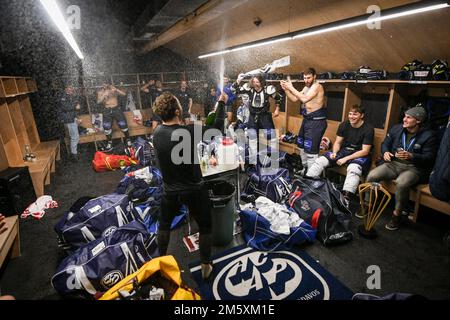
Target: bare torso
109 98
317 102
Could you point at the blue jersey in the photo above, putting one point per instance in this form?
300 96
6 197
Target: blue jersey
227 90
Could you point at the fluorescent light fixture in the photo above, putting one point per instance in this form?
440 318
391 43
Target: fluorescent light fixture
260 44
60 21
371 20
214 54
347 23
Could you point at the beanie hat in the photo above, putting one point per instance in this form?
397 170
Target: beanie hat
417 112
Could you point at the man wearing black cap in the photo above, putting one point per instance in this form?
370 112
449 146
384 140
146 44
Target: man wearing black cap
408 152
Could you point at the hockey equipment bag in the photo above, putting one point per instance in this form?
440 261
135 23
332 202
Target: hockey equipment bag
97 218
258 235
109 162
440 70
273 184
322 206
99 265
162 273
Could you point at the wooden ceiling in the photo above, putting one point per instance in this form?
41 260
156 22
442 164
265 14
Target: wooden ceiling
425 36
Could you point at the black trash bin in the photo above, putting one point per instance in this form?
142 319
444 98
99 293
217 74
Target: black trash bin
223 207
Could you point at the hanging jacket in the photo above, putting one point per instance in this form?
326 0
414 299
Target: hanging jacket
440 177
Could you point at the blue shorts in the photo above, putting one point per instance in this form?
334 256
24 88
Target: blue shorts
311 132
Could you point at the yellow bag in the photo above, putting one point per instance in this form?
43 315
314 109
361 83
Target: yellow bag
164 270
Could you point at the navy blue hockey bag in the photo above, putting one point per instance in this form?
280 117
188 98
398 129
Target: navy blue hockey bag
144 152
265 159
100 264
269 183
257 233
322 206
97 218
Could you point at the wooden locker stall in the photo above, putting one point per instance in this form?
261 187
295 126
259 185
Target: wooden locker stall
18 129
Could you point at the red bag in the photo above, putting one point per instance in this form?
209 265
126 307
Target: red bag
110 162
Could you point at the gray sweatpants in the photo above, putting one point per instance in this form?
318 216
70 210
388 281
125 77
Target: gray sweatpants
405 175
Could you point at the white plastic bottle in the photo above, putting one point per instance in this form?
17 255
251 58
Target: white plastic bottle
227 152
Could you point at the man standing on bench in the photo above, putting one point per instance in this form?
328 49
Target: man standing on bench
314 115
354 139
108 97
408 151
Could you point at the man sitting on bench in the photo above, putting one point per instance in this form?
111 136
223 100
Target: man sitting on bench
408 151
354 140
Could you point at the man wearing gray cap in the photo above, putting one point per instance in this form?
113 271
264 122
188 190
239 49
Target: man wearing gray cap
408 152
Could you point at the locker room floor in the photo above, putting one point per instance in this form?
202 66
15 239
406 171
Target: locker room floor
412 259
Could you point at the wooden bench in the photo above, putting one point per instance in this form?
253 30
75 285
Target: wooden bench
47 153
420 195
135 129
10 240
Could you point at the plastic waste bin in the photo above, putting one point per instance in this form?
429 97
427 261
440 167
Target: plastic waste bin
223 208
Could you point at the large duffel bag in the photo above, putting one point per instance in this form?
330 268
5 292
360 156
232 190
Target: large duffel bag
110 162
273 184
97 218
322 206
99 265
162 273
258 235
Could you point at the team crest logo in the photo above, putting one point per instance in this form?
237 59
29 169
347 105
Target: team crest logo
269 276
109 231
111 278
305 205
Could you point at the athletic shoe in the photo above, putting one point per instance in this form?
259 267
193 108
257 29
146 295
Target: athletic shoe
74 157
293 139
394 224
108 147
286 137
206 270
299 173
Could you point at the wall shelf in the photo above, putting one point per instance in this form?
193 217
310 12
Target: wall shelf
387 96
15 86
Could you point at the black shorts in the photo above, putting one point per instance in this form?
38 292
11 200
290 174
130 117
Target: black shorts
198 204
109 114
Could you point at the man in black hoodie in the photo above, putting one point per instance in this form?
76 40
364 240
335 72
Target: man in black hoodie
408 152
181 173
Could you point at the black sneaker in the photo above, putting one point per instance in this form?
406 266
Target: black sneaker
129 143
74 157
287 136
299 173
394 224
108 147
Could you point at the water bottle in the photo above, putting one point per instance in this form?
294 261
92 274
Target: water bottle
27 153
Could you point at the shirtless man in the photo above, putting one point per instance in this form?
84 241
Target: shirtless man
314 115
108 97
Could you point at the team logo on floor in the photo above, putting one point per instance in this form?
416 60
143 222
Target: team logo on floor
268 275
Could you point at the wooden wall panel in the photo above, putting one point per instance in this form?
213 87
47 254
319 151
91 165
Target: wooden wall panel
3 159
18 123
11 146
30 124
425 36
